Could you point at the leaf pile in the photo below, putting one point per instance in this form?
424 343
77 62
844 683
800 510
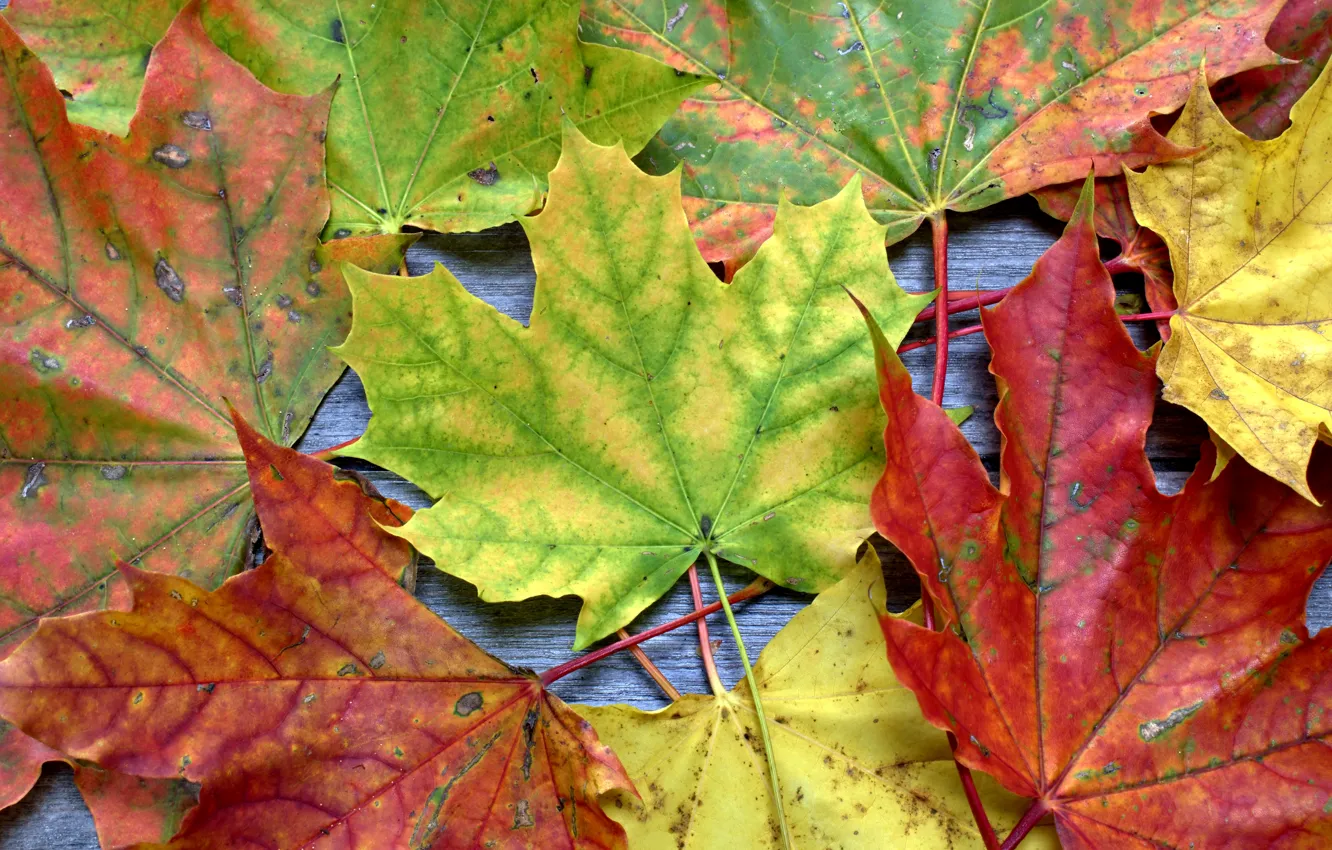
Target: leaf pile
219 635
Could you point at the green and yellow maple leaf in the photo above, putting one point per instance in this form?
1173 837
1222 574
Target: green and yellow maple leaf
857 760
1246 222
650 412
449 114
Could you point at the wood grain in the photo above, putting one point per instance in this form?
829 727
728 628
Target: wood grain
988 250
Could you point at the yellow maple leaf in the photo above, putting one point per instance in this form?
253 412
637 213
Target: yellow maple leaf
1249 227
857 760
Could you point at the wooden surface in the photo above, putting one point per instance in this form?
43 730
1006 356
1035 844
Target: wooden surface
988 250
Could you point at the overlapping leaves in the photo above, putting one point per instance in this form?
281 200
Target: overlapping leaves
936 106
313 698
1246 223
1138 663
142 280
449 116
856 759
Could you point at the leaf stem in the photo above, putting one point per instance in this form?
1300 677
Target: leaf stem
939 230
652 669
988 836
758 587
975 329
758 702
1024 826
704 643
959 303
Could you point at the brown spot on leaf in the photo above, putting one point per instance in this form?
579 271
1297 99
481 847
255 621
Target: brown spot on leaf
197 121
168 281
172 156
488 176
468 703
522 816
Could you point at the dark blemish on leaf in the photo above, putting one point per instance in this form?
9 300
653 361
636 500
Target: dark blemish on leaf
293 316
378 660
346 669
172 156
341 233
84 321
536 78
33 481
529 741
312 289
168 281
222 193
587 78
197 121
855 45
286 426
468 703
238 233
42 361
66 94
265 369
485 176
934 158
233 294
140 350
336 29
207 689
111 253
114 472
284 301
677 17
382 211
315 267
705 526
1219 394
522 816
490 118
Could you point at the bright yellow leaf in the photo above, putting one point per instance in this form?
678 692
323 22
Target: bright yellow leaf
858 764
1249 226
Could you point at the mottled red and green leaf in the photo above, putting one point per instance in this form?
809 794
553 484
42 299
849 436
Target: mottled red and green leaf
938 106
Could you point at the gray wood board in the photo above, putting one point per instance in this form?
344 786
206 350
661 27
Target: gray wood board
987 250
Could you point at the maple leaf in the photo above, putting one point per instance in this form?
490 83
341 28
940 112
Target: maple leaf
314 698
648 413
450 114
1139 663
1244 221
938 106
141 280
856 758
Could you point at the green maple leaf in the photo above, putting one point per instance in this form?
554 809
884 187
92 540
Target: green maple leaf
448 116
649 412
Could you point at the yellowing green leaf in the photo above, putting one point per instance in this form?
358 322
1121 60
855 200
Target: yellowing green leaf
1247 224
448 116
858 762
649 412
